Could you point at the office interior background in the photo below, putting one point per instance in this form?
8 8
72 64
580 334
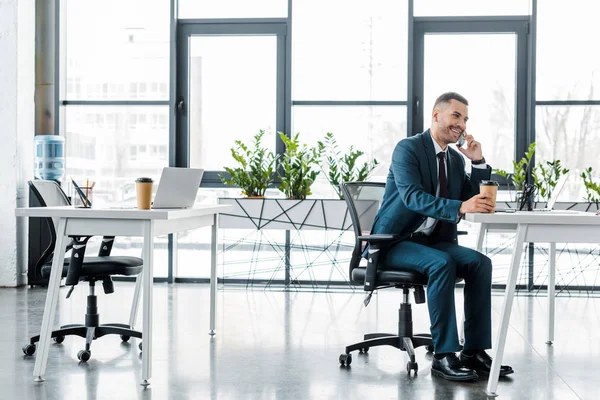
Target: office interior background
115 72
346 68
367 72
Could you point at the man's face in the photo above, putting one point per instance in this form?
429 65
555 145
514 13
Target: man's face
449 121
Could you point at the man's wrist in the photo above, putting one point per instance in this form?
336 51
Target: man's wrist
478 162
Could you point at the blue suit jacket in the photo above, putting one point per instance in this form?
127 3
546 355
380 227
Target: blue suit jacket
411 185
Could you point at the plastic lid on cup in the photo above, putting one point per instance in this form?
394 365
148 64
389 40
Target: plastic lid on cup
488 183
144 180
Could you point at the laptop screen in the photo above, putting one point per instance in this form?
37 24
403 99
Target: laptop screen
560 185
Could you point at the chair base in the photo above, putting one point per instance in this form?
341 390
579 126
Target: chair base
90 331
405 340
98 331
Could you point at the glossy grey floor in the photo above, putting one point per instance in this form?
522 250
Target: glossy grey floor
284 345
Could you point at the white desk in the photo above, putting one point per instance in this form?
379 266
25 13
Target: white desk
549 227
121 222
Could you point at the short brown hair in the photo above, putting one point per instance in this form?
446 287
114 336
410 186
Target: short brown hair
446 97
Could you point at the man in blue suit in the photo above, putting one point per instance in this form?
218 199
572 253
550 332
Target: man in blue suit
427 191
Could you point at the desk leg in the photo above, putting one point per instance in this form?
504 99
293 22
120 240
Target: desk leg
51 302
213 274
481 236
148 275
506 309
136 299
461 323
551 286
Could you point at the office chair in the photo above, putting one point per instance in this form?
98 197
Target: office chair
78 267
363 200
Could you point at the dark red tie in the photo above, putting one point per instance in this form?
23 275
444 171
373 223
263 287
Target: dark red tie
443 180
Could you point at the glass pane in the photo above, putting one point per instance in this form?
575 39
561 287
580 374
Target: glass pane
362 56
233 91
565 71
112 146
472 7
373 130
233 9
117 50
485 74
570 134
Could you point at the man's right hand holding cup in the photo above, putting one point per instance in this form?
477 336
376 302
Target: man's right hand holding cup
480 203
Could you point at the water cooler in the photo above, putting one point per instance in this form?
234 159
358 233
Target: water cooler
49 162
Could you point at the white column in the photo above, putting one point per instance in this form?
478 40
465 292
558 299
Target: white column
17 82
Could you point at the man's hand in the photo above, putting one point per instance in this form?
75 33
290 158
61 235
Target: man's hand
473 151
480 203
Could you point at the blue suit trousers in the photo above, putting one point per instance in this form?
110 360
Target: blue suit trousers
442 262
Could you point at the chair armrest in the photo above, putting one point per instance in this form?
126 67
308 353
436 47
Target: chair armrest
76 262
106 246
376 242
379 238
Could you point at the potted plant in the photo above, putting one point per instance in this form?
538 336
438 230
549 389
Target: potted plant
519 177
343 168
545 178
592 189
297 168
255 170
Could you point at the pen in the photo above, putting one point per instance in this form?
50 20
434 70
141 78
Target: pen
86 192
80 193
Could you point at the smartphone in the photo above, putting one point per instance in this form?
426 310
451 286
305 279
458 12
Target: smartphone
461 140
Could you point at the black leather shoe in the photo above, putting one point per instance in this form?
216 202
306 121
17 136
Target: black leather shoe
451 368
482 363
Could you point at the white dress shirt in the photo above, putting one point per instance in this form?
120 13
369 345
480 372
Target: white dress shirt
429 224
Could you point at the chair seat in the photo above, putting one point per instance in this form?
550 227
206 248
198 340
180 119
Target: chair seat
391 277
101 266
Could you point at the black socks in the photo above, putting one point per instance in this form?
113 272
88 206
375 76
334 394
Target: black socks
439 356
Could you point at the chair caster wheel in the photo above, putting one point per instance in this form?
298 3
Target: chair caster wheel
125 338
412 366
345 359
84 355
364 350
59 339
429 348
29 349
140 346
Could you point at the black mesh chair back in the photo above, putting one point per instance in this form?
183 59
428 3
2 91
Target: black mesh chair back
363 200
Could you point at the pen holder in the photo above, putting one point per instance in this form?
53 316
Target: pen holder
84 201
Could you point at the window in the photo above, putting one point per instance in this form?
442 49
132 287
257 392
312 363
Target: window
566 68
127 154
233 9
472 7
373 130
133 153
98 52
362 56
570 134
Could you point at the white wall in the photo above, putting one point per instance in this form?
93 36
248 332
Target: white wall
17 82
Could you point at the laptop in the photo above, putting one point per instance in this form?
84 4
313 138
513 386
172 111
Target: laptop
177 188
560 185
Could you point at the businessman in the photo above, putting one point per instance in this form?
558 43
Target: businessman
426 193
